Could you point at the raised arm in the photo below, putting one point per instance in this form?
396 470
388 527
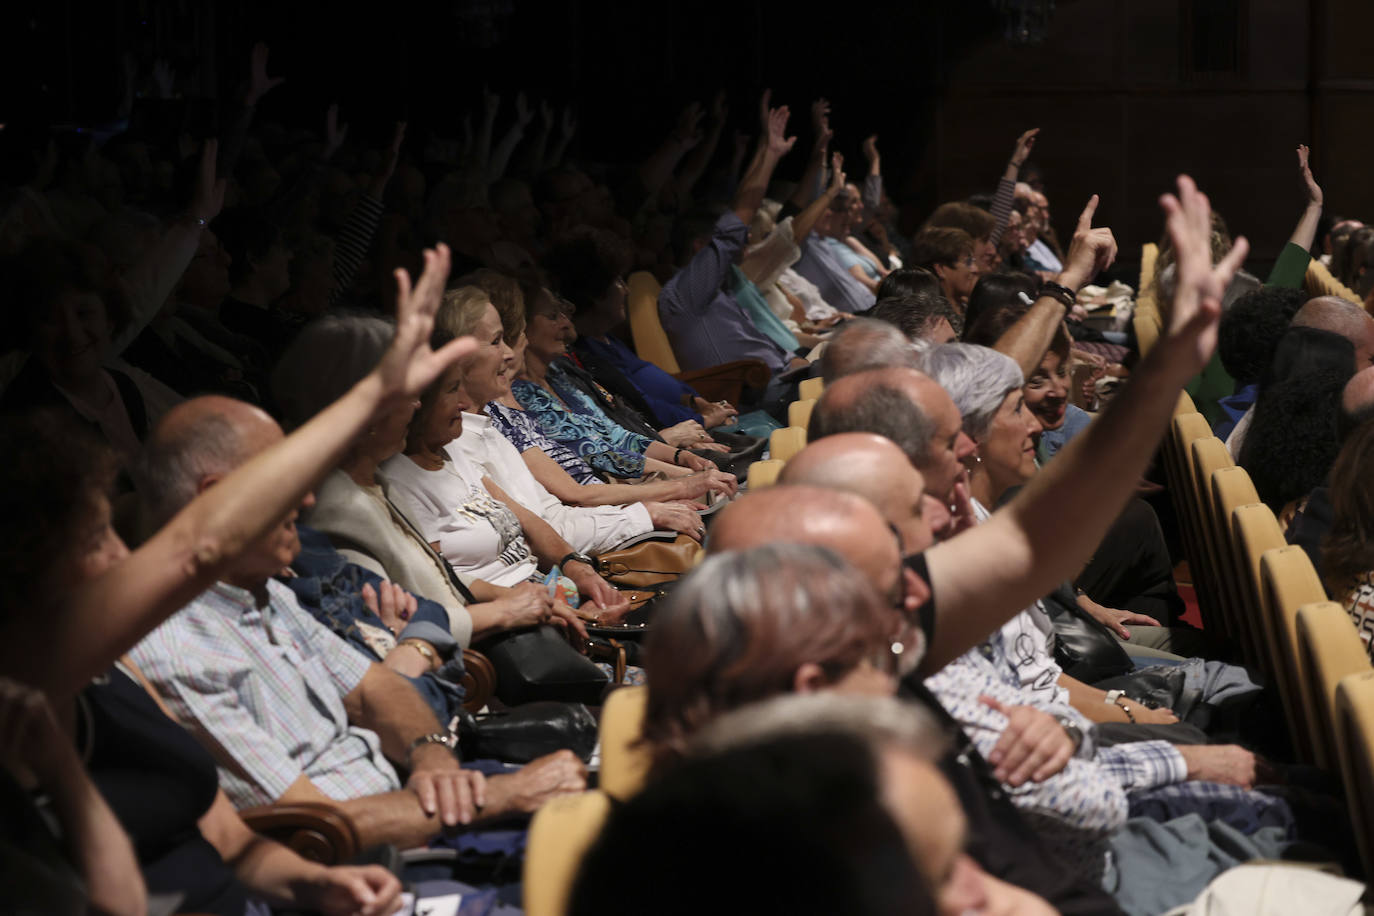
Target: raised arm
655 171
872 191
809 188
1044 535
1006 188
501 153
106 616
700 156
1090 251
1290 268
805 221
773 145
569 128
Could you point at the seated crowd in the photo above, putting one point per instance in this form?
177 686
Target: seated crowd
353 444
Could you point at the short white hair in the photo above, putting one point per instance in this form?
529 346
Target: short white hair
976 378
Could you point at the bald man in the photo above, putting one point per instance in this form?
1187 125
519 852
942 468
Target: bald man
1000 838
291 712
1340 316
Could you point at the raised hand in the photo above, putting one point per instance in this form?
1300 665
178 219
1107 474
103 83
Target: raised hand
1190 320
778 144
389 160
545 115
409 364
569 122
334 133
259 83
491 103
719 109
1090 251
523 113
207 199
688 127
871 149
820 115
1024 144
837 177
163 78
765 101
1310 186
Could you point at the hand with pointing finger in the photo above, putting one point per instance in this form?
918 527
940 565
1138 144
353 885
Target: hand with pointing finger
1090 251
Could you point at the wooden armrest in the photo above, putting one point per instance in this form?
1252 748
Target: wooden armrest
319 832
727 381
479 680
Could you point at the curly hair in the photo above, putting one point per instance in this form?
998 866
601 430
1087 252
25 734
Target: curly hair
56 472
752 618
1293 439
1251 328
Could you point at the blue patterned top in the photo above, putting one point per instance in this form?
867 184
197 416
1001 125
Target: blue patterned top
522 432
581 426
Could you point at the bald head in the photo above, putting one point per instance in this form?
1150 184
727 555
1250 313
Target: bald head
864 343
870 466
845 523
1357 401
204 436
1334 314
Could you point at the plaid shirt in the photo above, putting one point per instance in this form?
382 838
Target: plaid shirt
262 689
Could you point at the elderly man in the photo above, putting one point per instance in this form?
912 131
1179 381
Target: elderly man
290 712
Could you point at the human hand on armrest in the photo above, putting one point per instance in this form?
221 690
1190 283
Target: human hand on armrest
714 413
676 517
1116 620
443 787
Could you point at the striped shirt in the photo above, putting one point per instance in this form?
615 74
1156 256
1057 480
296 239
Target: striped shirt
262 689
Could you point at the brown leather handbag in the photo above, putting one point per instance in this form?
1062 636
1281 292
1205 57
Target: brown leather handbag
648 563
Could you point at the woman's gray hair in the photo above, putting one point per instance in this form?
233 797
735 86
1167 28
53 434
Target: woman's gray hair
328 357
976 378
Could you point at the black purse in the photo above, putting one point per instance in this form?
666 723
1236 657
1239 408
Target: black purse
538 664
1084 647
522 734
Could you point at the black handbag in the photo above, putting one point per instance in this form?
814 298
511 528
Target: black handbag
538 664
1084 647
527 732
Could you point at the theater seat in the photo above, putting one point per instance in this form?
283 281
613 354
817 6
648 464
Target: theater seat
811 389
560 835
1329 650
786 442
1355 741
725 382
1290 582
799 413
763 474
317 831
624 763
1320 282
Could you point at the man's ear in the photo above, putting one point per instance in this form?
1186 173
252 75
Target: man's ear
809 678
917 591
207 481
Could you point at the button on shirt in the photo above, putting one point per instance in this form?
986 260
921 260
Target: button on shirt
704 322
262 688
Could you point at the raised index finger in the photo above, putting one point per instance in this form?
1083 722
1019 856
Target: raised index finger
1085 219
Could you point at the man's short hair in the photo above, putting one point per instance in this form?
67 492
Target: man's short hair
916 315
881 409
863 343
978 223
168 470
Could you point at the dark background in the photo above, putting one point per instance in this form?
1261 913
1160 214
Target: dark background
1128 92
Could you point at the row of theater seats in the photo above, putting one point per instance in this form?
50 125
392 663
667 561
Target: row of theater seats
786 442
1265 597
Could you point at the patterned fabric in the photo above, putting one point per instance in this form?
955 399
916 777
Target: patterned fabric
524 434
263 688
477 534
1359 604
577 423
1144 764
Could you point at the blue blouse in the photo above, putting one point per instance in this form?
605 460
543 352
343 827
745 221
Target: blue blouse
522 432
581 426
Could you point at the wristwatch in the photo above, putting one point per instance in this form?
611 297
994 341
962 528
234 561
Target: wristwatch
447 738
1073 731
576 557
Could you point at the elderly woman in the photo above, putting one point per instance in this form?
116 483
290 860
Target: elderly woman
468 312
62 553
825 630
566 414
471 521
350 506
